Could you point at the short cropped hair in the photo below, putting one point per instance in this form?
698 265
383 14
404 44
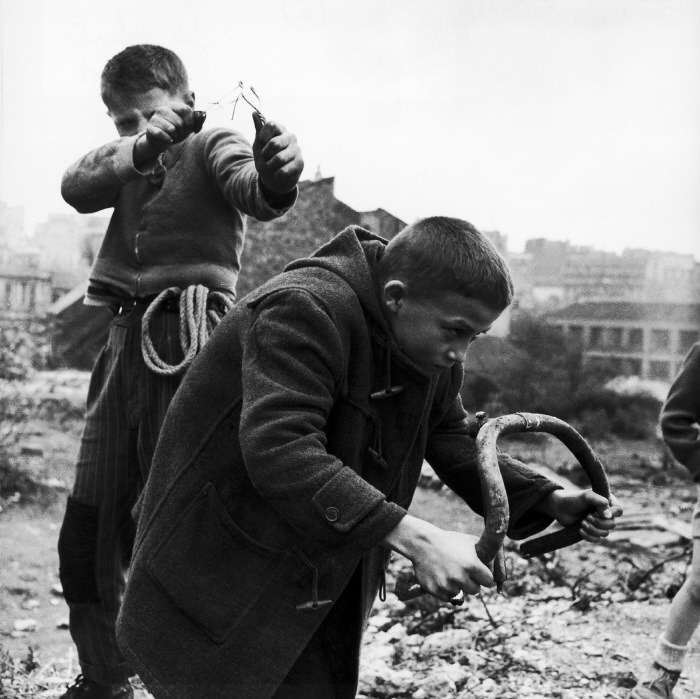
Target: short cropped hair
440 254
141 68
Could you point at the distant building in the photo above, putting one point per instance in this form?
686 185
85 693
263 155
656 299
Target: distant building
316 218
68 245
35 271
24 297
12 234
25 291
645 339
553 274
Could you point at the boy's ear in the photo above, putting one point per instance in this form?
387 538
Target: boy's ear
394 292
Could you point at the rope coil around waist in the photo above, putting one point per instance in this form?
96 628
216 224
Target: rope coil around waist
201 310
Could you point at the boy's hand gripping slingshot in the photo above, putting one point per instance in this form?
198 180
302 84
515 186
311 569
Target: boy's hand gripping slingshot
489 548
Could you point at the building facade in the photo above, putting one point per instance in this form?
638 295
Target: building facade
645 339
37 270
25 290
552 274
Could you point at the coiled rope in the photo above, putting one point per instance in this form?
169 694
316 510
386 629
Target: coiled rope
201 310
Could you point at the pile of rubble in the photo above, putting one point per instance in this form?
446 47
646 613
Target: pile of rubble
555 632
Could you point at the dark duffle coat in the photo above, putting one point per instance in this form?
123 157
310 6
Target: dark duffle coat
281 466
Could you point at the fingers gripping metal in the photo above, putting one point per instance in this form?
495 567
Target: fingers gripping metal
577 445
489 548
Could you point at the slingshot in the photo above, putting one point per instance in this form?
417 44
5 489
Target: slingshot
240 92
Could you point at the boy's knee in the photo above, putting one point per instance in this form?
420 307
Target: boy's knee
77 546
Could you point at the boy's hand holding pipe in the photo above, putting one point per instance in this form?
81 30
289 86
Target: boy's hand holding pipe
445 562
569 506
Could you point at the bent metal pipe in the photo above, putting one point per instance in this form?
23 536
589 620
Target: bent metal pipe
489 548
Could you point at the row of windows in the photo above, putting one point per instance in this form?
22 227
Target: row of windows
632 339
658 370
18 296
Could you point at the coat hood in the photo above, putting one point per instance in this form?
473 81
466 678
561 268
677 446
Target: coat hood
352 255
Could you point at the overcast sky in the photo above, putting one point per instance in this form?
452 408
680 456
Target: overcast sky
572 120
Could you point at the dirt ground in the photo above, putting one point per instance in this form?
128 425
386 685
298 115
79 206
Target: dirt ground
569 625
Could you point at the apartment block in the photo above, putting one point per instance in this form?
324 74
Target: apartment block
552 274
646 339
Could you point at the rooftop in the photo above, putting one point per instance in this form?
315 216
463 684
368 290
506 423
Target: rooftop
629 310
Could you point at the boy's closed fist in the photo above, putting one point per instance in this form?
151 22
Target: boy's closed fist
599 515
445 562
449 565
278 158
169 124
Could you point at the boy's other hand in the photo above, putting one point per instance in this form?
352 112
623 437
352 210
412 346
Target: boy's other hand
445 562
278 158
569 506
168 124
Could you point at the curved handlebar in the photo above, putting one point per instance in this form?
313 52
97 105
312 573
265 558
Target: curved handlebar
591 464
489 548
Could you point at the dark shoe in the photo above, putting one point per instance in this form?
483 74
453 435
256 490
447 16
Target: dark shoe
83 688
660 686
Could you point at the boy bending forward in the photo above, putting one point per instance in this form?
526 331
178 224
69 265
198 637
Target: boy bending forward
290 455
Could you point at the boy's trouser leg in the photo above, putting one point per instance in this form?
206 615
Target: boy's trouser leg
314 676
126 406
328 667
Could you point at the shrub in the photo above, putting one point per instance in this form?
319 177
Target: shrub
18 355
545 373
592 424
601 412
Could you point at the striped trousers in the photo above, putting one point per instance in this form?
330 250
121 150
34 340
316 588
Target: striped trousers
126 405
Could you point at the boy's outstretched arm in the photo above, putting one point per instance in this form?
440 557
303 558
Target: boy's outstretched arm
278 157
445 562
569 506
93 182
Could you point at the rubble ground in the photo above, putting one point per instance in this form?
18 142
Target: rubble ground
580 623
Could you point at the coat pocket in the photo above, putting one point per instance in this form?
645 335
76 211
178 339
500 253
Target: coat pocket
210 568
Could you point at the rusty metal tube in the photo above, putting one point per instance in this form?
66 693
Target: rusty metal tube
591 464
489 548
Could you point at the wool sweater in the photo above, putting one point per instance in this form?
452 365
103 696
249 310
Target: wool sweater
179 222
280 469
680 415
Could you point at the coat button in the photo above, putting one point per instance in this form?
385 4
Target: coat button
332 514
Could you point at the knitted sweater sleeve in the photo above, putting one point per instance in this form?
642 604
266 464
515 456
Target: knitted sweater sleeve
230 164
680 414
92 183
